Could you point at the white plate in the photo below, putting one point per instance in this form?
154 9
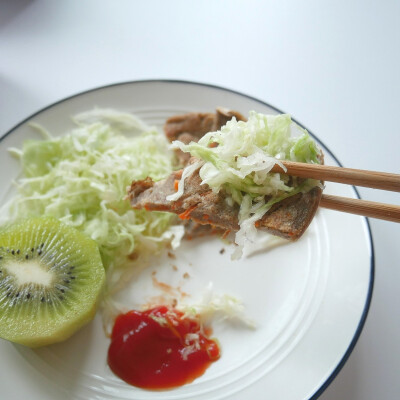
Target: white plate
309 299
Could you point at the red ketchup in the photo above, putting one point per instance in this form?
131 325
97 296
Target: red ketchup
159 348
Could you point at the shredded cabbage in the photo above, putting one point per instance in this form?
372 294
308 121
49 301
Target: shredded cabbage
81 178
238 159
213 306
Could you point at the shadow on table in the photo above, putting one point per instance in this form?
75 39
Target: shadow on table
10 9
343 387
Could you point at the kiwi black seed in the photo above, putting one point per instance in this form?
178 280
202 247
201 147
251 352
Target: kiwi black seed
50 281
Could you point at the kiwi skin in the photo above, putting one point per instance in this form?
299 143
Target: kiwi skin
51 280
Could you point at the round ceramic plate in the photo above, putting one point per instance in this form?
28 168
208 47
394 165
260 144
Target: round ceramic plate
309 299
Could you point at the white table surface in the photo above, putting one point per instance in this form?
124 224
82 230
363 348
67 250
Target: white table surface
335 66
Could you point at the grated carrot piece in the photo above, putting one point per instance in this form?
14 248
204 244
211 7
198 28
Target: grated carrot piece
226 234
186 213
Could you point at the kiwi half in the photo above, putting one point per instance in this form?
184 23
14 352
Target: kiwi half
51 276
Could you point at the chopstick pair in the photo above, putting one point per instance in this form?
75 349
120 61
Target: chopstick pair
357 177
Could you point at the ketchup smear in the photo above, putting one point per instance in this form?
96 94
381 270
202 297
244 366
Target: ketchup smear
159 348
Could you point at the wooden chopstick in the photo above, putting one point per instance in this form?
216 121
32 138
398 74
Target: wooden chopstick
366 208
357 177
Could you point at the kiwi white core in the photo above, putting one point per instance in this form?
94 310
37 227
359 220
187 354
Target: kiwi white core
30 272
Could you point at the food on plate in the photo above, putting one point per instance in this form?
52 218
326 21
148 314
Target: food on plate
227 182
160 348
289 218
193 126
51 277
198 124
79 182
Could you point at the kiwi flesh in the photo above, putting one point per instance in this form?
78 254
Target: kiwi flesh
51 278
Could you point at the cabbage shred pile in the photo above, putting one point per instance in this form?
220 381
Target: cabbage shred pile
238 159
81 179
